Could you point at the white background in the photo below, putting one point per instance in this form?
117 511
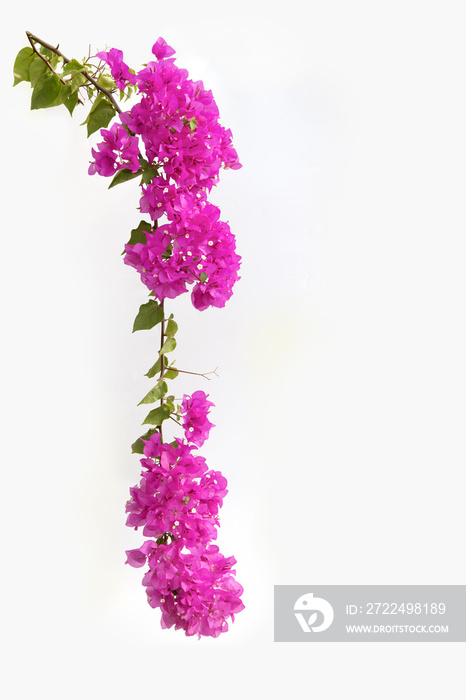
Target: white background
340 404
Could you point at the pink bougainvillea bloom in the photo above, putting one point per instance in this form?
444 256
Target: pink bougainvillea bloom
119 70
195 422
118 150
194 587
161 49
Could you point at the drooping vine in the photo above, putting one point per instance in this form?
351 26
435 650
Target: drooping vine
171 138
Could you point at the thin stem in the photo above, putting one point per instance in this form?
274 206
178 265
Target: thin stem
162 336
32 38
198 374
162 357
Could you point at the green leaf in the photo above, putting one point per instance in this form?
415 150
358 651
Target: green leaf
149 315
72 67
169 402
76 81
155 369
64 93
21 66
171 373
45 91
168 251
149 174
168 346
123 176
37 68
100 115
138 235
157 415
171 329
192 124
138 446
156 393
71 102
203 277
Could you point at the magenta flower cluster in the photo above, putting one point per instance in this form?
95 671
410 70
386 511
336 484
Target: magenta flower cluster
177 503
117 151
120 71
195 422
176 125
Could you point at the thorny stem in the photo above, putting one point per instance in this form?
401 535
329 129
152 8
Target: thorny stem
45 60
32 38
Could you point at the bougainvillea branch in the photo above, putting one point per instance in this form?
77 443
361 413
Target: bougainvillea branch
172 139
33 40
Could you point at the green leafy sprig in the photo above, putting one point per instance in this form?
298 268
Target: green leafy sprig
57 80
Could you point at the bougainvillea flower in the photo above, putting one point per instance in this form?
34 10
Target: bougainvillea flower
119 70
161 49
194 410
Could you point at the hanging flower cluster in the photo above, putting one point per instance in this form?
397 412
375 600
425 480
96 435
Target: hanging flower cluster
177 122
177 503
177 500
172 139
